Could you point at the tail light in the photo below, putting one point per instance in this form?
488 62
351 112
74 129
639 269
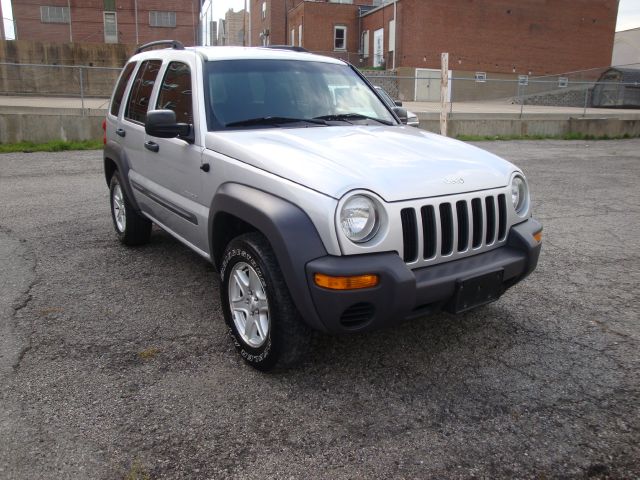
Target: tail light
104 131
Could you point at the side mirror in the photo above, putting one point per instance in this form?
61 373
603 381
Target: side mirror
398 103
402 114
162 124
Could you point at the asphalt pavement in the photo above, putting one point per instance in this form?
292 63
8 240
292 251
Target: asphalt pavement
115 361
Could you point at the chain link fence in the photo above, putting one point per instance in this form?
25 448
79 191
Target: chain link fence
69 81
467 91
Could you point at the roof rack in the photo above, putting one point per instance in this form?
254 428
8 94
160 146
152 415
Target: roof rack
288 47
175 44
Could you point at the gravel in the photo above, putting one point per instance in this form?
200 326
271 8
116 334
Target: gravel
115 361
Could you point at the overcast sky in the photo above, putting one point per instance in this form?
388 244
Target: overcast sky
628 13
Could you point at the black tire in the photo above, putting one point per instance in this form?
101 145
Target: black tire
133 228
288 338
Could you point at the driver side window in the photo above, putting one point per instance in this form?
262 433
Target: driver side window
175 92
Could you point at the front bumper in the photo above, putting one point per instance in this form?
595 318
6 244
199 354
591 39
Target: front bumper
404 293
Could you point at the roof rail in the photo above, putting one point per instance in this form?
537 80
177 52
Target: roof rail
288 47
175 44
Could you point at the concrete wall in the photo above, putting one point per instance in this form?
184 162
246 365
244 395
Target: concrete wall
43 125
102 65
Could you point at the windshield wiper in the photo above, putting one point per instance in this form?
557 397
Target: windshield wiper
346 117
274 121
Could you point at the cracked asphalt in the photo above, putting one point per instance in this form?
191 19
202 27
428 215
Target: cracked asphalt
115 362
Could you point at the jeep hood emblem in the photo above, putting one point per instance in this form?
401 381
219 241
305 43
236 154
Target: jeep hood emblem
452 180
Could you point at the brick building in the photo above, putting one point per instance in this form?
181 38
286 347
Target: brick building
527 37
106 21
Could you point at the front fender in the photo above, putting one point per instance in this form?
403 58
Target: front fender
290 232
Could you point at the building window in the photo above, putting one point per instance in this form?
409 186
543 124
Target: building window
162 19
339 38
300 35
109 5
341 1
54 14
110 27
264 10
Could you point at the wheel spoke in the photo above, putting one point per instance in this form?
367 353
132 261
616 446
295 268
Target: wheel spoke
242 281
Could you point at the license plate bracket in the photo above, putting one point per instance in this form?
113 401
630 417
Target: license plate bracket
479 290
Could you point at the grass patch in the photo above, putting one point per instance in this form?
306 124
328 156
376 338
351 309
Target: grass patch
137 472
54 146
148 353
567 136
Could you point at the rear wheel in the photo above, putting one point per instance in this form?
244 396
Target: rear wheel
131 227
263 321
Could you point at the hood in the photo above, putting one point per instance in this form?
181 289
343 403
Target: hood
395 162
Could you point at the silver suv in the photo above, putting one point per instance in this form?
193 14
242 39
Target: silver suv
317 206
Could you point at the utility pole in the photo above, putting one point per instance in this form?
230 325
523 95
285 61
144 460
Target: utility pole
444 88
135 14
70 28
244 25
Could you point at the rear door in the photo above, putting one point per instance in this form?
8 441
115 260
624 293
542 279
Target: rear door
131 127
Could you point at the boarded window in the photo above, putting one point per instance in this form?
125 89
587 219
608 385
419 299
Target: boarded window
162 19
54 14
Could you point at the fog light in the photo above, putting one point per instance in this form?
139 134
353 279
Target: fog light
355 282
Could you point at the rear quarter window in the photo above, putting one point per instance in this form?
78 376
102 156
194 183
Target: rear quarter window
121 87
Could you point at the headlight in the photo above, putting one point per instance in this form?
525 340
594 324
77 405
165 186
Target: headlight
519 194
359 218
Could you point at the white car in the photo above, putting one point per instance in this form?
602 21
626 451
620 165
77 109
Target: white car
319 213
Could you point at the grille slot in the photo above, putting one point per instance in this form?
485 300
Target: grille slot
463 225
357 315
446 228
429 231
454 227
502 208
491 219
409 234
476 212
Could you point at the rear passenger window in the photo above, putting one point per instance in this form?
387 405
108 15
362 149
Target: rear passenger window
122 86
175 93
141 91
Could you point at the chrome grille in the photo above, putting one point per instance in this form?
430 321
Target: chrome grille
446 228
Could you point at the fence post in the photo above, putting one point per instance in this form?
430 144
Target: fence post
444 87
81 91
586 101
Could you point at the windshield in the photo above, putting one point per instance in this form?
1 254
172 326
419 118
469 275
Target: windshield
284 93
385 96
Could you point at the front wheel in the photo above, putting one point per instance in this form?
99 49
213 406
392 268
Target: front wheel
264 324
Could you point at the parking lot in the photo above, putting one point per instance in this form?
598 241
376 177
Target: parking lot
115 362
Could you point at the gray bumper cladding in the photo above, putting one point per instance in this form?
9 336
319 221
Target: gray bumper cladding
403 293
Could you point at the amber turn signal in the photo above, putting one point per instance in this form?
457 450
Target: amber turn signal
355 282
538 236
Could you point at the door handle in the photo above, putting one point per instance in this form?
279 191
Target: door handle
153 146
121 132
